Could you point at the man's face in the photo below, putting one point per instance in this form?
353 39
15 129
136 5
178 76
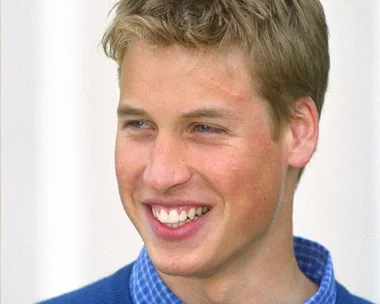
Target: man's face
193 137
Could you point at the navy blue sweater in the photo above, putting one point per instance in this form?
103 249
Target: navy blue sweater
115 290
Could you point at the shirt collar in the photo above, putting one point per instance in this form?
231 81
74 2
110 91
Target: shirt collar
315 262
146 286
313 259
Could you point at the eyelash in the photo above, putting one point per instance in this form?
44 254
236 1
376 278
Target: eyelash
210 129
136 125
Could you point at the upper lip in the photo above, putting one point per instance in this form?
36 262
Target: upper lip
173 202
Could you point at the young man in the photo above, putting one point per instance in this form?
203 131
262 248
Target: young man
218 114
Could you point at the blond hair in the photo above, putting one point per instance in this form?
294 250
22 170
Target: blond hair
286 41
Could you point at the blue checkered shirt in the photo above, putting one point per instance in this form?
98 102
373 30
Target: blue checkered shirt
313 259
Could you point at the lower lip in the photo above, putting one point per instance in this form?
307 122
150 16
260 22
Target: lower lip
185 231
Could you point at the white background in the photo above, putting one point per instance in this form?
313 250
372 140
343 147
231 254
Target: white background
62 223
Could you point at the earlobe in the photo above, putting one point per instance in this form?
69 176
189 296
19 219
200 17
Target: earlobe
304 128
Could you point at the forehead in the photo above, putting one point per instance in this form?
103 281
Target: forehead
157 67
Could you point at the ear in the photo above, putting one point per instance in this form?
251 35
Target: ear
304 131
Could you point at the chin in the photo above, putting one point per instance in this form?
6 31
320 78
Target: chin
178 262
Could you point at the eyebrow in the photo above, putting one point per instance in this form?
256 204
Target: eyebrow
208 113
126 110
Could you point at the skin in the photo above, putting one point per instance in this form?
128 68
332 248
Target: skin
169 147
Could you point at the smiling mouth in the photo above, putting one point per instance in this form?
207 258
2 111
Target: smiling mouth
174 218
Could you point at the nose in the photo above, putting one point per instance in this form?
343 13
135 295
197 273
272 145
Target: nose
167 166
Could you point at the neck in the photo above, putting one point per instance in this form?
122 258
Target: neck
263 279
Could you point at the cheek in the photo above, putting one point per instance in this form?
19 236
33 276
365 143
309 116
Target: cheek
253 200
248 179
129 163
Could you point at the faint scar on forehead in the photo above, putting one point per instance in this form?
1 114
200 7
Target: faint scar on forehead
236 92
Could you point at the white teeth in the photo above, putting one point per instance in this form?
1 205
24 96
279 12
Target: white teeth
191 213
163 216
183 216
174 220
173 216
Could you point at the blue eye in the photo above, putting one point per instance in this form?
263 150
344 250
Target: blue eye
206 129
138 124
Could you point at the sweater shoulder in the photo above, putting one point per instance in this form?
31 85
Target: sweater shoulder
343 296
113 289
